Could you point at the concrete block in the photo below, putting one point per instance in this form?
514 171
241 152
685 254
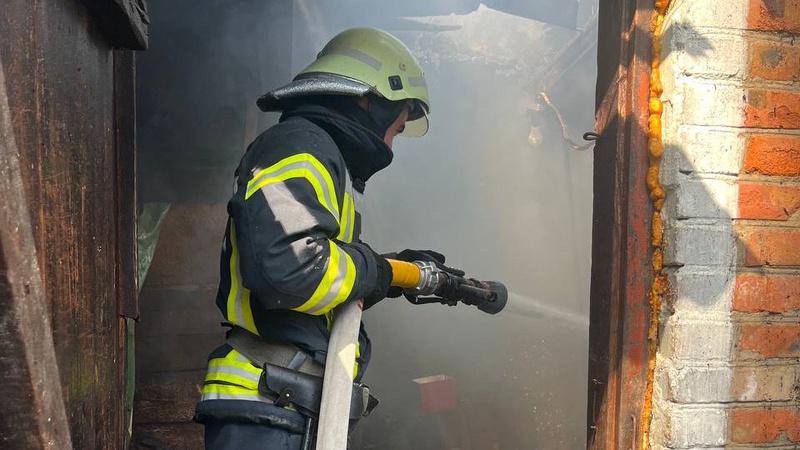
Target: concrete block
765 383
687 384
710 243
706 198
708 14
706 291
712 103
699 149
706 338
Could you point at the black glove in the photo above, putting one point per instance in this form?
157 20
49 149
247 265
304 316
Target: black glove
409 255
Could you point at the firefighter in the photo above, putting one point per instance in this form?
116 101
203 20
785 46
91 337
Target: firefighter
291 251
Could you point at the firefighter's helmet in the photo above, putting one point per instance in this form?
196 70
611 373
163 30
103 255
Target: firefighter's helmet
357 62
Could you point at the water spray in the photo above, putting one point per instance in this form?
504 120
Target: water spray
529 307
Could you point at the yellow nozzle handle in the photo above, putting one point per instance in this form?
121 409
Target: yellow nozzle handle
404 274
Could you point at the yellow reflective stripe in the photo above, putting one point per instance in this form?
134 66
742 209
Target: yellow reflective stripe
347 285
238 304
240 373
358 355
247 312
329 321
232 294
233 355
351 221
302 165
213 391
237 363
226 376
346 222
325 285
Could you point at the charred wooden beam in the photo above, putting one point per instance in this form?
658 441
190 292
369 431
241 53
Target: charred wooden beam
567 57
124 22
33 411
621 273
125 122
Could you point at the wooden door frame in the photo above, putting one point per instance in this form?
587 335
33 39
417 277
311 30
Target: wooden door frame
621 255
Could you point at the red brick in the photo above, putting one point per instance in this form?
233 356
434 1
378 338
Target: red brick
768 201
775 61
756 293
774 15
772 247
772 109
771 154
756 426
773 340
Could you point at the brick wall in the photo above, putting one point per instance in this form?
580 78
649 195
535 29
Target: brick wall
727 368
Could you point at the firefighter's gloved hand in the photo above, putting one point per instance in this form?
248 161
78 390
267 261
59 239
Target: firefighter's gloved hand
428 255
409 255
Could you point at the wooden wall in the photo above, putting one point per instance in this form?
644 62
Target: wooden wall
71 101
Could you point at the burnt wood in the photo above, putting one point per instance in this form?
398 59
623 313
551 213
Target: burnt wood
61 90
33 412
125 124
621 273
124 22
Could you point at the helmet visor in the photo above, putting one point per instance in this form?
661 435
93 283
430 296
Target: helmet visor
416 128
417 124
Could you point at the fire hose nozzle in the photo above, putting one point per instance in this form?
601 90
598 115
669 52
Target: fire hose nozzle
498 300
425 278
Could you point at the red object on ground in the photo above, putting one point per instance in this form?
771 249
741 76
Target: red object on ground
437 393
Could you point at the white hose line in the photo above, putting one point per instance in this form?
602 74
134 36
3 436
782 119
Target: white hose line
337 387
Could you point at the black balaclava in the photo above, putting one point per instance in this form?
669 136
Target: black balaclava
381 115
358 133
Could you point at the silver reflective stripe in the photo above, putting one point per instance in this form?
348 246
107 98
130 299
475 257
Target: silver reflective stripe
348 183
351 221
247 397
234 371
417 82
359 55
336 286
239 357
329 196
347 236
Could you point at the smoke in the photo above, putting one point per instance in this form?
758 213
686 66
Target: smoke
494 186
502 206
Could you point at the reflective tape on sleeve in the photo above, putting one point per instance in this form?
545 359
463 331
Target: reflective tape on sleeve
238 304
302 165
336 283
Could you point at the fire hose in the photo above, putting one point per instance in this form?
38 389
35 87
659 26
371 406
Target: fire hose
427 283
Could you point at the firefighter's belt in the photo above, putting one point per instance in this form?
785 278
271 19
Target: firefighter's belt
291 377
261 351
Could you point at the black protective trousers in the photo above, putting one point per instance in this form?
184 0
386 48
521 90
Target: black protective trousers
249 436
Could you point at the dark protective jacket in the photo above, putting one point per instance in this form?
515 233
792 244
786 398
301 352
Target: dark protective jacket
291 251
